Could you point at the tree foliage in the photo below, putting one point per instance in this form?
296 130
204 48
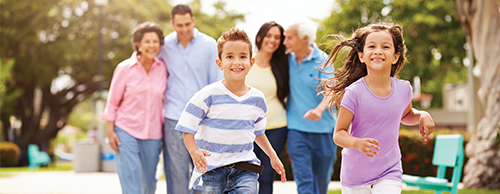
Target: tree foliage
53 45
433 36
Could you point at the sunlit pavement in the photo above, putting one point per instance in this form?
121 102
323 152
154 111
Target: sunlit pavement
70 182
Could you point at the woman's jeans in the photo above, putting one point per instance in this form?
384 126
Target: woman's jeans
136 163
277 137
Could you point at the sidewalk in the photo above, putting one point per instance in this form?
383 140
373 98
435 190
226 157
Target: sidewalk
70 182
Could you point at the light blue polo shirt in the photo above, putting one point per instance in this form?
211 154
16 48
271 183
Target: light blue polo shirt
189 70
304 93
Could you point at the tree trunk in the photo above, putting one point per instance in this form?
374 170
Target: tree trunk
481 20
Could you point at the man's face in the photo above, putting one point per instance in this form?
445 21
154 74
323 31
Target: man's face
183 25
292 41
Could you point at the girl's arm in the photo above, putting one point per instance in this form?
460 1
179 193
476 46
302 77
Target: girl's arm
413 116
264 144
341 136
198 156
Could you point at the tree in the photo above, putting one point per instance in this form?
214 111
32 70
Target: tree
481 20
432 35
53 45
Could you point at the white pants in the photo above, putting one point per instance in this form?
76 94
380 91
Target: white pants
378 187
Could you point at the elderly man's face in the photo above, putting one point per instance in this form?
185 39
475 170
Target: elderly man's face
292 41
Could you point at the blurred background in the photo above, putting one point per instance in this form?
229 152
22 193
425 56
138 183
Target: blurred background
58 56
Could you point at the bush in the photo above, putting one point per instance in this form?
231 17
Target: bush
9 154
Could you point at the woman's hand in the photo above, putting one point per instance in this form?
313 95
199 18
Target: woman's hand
113 139
367 146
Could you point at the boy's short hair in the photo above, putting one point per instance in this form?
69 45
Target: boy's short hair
233 34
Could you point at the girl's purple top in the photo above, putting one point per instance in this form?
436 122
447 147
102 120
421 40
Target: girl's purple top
378 118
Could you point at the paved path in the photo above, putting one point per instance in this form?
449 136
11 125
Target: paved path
70 182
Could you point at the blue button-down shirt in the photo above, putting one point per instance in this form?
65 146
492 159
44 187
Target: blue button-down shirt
304 93
189 70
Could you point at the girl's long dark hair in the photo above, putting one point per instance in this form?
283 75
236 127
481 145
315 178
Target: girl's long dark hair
279 60
353 68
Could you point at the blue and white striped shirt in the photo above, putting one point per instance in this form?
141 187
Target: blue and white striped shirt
225 125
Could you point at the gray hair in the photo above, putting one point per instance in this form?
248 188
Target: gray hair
306 29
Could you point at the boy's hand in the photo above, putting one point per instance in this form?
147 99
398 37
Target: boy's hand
367 146
279 168
199 160
426 125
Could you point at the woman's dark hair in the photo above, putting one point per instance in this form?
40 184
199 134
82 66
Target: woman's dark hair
353 68
142 29
279 60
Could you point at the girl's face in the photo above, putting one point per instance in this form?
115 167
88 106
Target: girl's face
379 52
271 41
149 45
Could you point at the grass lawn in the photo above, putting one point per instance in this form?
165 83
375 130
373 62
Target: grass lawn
462 191
56 166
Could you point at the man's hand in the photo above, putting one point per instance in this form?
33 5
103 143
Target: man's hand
314 114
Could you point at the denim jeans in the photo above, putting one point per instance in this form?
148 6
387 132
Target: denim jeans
176 160
277 138
136 163
313 156
230 180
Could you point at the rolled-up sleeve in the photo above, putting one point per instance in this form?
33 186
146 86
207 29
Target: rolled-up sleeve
115 95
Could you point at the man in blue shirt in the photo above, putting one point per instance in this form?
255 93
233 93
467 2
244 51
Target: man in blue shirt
310 122
190 58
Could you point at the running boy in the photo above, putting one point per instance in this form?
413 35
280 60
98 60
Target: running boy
221 122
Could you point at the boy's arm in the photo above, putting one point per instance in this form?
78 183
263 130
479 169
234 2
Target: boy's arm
413 116
264 144
198 156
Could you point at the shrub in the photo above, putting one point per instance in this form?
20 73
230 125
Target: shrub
9 154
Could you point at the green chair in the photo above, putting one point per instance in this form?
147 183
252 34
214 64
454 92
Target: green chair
448 152
36 157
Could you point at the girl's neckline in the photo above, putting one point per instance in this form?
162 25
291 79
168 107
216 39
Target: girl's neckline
379 97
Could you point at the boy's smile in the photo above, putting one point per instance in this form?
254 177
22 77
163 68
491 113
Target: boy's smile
235 60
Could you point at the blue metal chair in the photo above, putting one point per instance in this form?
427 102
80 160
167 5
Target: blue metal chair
448 152
36 157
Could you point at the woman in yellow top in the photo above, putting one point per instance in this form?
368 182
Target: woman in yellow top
270 75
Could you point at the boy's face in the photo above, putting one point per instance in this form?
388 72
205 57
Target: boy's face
235 61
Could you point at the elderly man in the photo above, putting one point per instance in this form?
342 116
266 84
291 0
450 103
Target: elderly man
310 122
190 58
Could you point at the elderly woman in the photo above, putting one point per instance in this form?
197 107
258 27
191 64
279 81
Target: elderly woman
134 111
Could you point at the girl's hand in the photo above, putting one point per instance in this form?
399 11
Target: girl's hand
199 160
113 140
367 146
426 125
279 168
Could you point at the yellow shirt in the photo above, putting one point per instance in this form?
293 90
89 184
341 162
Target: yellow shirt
263 79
